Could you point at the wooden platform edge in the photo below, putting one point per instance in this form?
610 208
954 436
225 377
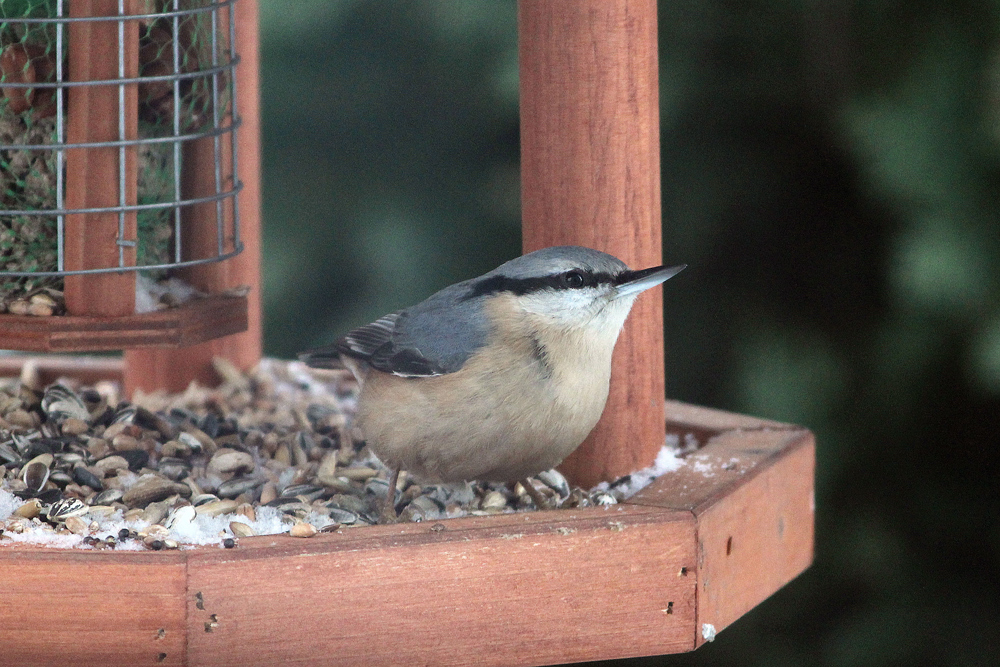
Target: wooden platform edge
60 610
757 537
751 488
51 367
187 324
530 589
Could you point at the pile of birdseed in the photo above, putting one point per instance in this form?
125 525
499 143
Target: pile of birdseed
270 451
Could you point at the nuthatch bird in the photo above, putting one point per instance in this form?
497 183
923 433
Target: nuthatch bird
496 378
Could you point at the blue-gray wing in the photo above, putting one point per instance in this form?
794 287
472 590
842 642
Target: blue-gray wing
434 337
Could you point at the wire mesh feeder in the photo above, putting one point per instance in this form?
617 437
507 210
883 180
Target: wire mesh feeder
119 159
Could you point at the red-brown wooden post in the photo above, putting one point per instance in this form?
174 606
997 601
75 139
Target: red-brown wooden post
590 175
92 174
173 369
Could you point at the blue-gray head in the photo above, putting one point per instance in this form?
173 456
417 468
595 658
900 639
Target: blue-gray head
571 285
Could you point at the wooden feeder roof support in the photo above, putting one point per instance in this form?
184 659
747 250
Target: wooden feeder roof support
590 175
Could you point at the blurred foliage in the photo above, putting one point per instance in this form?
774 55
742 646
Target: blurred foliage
830 173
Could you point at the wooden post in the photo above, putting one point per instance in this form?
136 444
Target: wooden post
93 177
174 369
590 175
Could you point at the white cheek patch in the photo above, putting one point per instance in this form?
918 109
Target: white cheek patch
578 308
568 307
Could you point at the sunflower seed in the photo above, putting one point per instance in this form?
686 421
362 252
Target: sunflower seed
65 508
173 468
108 496
151 488
203 498
494 500
238 485
77 525
60 403
346 517
74 426
555 481
36 472
308 492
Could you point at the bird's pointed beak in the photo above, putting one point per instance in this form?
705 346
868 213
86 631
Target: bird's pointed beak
633 282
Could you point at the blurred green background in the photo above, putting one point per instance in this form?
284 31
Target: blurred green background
830 174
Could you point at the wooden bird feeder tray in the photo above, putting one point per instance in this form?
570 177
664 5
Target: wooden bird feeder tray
661 573
190 323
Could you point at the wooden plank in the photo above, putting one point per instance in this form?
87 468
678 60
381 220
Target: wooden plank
92 174
531 589
50 368
187 324
726 461
245 349
170 370
590 175
757 538
681 416
752 492
92 608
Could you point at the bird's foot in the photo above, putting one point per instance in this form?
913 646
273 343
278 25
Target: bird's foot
539 500
388 514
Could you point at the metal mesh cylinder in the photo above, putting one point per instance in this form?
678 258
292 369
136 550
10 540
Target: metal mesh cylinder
174 105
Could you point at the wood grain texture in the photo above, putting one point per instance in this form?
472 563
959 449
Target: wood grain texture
184 325
92 174
92 608
172 370
751 488
590 175
543 589
757 537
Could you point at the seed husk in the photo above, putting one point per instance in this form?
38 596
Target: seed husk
217 507
29 510
77 525
302 530
240 529
151 488
230 462
250 446
357 474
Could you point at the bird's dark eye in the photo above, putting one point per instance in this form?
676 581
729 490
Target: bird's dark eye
573 279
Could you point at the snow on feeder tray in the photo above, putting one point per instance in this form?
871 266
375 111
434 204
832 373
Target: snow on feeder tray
117 154
660 571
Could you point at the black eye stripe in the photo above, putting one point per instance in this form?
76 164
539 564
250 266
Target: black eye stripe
522 286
